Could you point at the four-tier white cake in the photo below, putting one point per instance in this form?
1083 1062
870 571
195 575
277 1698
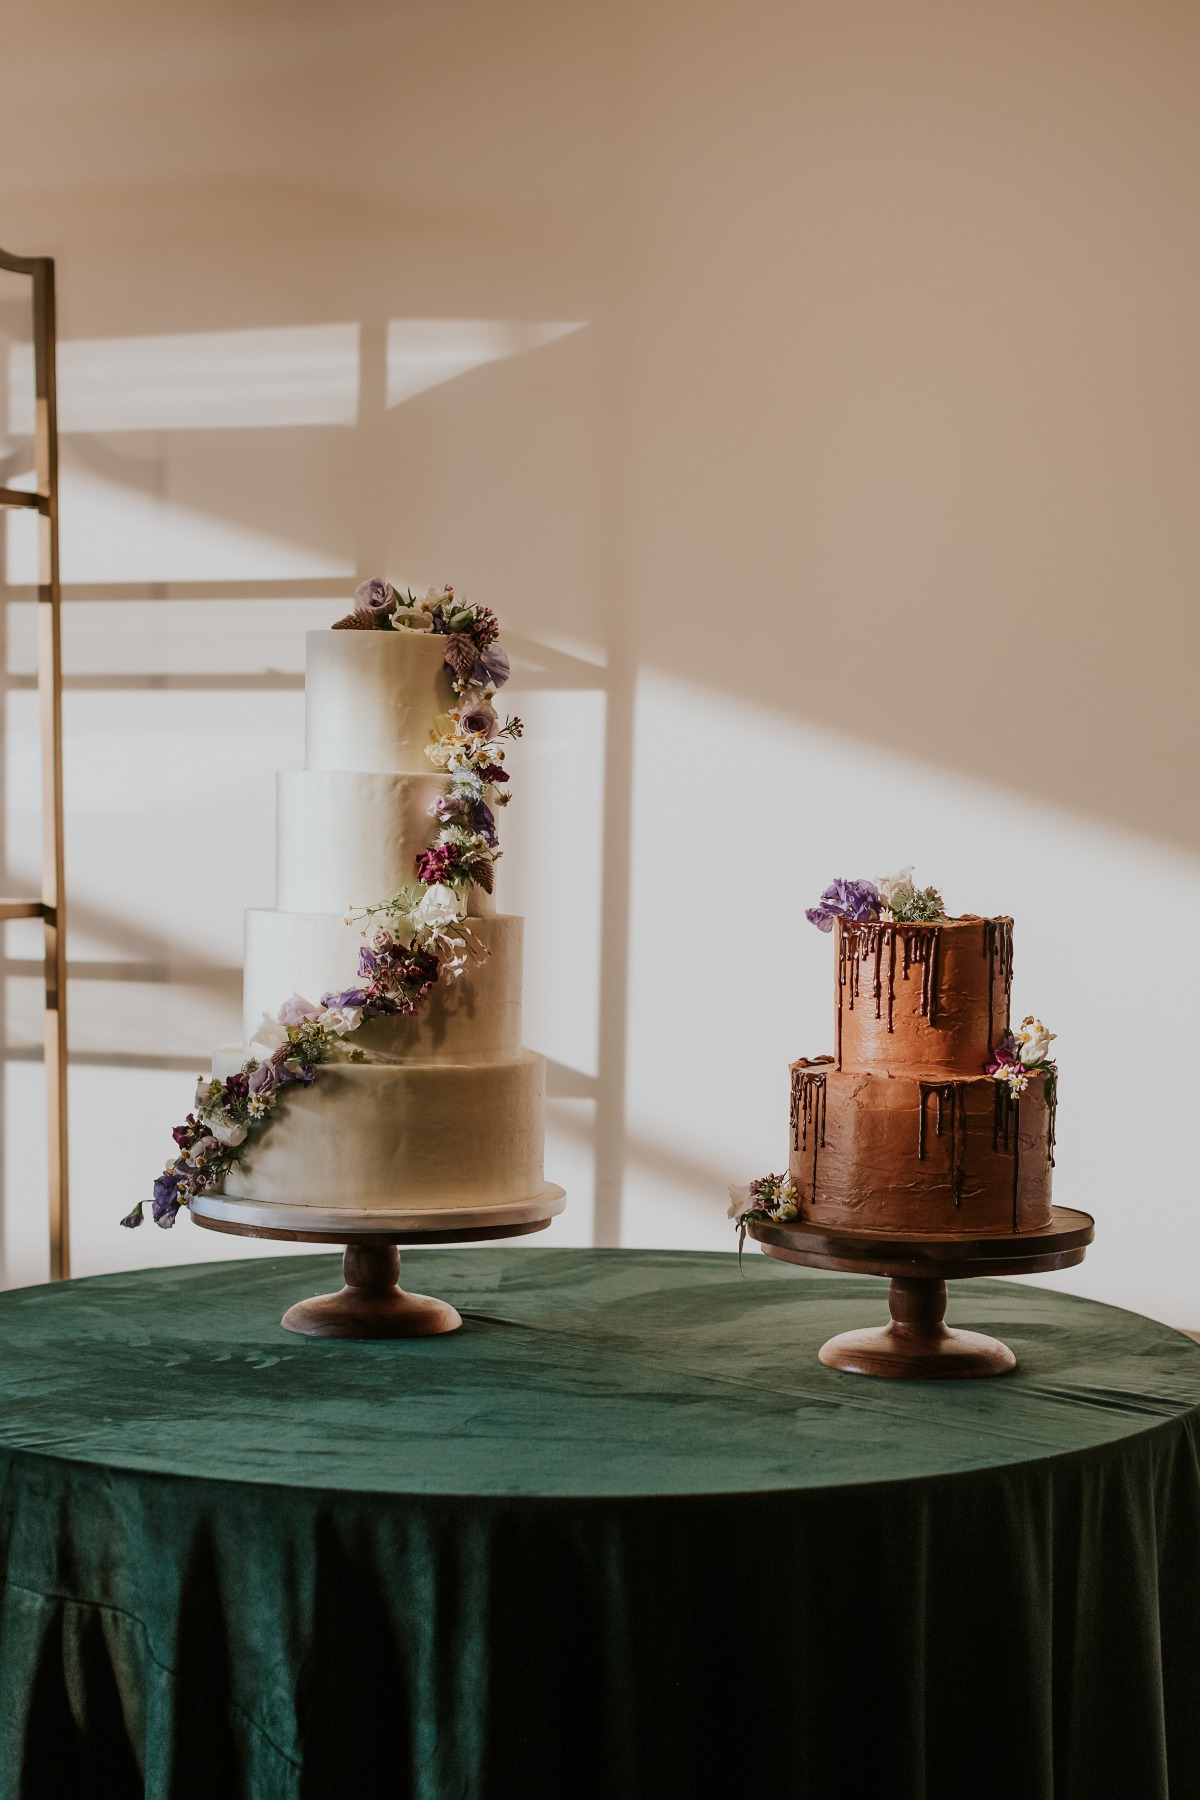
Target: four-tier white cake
440 1112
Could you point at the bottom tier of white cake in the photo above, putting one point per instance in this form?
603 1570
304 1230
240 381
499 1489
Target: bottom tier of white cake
400 1137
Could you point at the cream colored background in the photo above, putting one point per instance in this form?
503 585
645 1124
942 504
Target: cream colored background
812 388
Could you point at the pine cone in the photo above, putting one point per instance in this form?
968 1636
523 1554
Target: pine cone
483 874
356 621
460 655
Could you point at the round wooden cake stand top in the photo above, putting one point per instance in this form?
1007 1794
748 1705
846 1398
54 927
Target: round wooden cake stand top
917 1343
372 1304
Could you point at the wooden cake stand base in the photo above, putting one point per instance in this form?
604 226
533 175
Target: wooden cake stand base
917 1343
372 1304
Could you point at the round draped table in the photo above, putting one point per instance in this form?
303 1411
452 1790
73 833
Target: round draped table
622 1536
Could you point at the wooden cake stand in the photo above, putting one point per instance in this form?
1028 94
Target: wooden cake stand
372 1304
917 1342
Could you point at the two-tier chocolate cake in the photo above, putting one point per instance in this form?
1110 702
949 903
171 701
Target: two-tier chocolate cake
932 1116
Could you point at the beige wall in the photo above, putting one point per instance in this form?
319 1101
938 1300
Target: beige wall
850 522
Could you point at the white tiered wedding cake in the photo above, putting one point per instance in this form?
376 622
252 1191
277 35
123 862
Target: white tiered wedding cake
392 1085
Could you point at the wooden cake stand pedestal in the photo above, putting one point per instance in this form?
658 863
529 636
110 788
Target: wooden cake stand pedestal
371 1304
917 1343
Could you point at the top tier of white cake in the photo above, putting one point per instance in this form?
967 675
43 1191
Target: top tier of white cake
370 698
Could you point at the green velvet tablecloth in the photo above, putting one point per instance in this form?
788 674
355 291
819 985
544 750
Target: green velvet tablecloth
621 1537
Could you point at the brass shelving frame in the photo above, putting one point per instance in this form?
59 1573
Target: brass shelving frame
50 906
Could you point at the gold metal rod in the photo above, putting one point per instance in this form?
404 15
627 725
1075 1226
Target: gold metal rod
22 909
21 497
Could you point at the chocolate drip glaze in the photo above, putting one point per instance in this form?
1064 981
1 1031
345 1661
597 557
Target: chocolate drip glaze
1052 1125
1006 1134
949 1097
871 941
808 1112
998 948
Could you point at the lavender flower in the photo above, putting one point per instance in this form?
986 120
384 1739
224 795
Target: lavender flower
135 1217
166 1201
348 996
376 596
855 900
293 1073
492 665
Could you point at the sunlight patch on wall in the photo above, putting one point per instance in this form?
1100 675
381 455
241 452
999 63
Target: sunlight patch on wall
115 533
287 375
424 353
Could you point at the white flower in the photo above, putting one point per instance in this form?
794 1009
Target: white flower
201 1148
412 618
892 886
741 1201
433 598
442 753
1034 1042
268 1036
1017 1082
438 905
341 1019
259 1105
226 1130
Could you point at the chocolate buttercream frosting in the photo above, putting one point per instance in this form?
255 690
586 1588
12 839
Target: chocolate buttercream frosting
901 1129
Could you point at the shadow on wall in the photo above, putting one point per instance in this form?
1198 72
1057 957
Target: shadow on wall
811 393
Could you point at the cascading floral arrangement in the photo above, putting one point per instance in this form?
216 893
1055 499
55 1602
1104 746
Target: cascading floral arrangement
414 940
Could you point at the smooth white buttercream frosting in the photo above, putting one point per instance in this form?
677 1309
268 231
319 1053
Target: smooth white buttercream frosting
370 699
399 1135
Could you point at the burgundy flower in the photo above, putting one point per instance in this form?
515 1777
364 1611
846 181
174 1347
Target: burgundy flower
437 864
492 772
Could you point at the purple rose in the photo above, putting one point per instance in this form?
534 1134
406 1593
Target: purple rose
376 596
446 807
492 665
478 718
265 1079
855 900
